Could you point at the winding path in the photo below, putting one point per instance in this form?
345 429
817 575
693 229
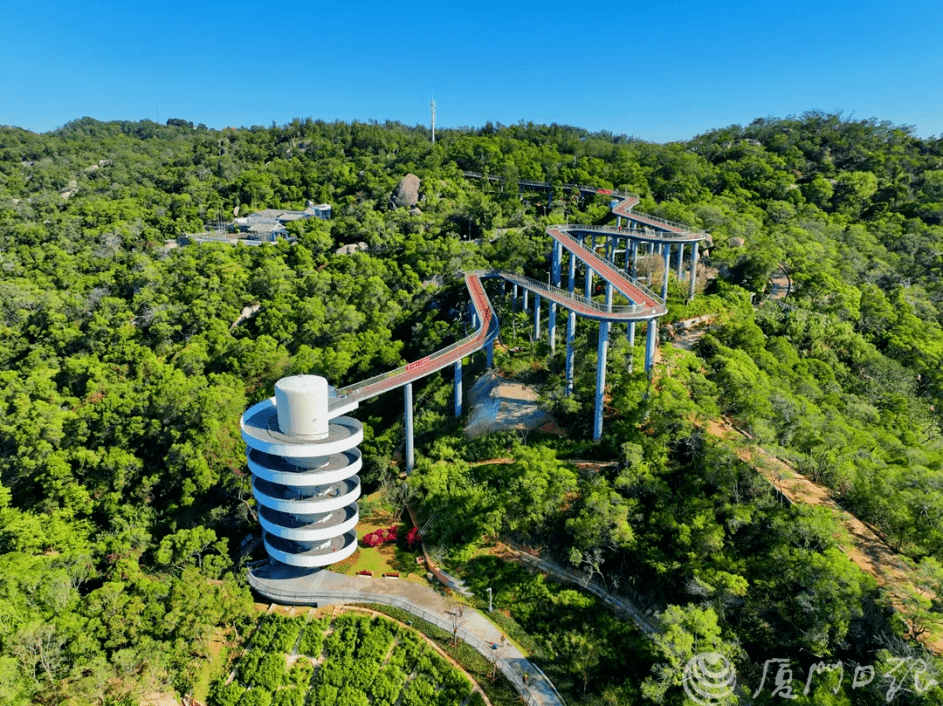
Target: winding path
644 306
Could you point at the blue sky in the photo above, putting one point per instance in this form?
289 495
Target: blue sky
660 71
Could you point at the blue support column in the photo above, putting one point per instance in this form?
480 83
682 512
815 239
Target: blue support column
630 337
570 326
680 261
634 258
601 355
555 281
408 398
589 273
536 317
458 387
692 280
526 303
489 352
571 274
666 251
651 340
514 298
601 352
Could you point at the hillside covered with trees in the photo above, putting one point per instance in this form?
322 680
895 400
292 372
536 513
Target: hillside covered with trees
125 498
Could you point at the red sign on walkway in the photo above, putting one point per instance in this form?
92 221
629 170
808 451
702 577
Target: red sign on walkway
416 363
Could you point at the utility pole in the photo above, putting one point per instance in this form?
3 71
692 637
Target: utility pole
432 105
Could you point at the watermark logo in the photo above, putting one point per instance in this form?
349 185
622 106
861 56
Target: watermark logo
709 677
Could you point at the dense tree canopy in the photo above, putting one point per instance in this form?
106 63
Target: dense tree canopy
126 362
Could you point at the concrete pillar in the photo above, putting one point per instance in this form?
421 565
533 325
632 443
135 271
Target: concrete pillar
651 340
489 352
618 221
630 337
666 251
408 399
634 259
693 277
526 303
458 387
680 261
514 298
537 317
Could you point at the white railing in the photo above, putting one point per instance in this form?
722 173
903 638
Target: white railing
659 235
514 674
431 363
589 252
563 294
681 229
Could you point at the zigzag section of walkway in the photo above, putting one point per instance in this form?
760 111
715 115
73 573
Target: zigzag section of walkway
645 304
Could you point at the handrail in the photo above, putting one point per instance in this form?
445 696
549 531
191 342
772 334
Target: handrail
651 305
659 235
680 229
547 185
538 286
485 333
603 265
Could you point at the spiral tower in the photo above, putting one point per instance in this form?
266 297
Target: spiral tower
304 467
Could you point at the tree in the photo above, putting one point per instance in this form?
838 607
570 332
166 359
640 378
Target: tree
685 635
187 547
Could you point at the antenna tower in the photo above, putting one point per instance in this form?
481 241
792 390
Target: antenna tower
433 120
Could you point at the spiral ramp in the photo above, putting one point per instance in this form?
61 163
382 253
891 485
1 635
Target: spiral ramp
304 473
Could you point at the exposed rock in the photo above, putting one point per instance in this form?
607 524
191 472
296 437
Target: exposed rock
737 242
351 248
414 211
406 194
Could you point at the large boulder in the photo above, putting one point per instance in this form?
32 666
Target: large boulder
406 195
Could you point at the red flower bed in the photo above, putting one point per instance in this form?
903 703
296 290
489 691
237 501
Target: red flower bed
390 534
381 536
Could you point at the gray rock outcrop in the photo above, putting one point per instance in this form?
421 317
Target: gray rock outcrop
406 195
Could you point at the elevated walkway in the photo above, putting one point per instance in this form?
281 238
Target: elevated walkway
644 305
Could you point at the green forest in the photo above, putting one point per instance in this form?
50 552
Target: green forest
125 499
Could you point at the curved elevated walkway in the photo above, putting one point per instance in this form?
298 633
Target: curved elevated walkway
644 305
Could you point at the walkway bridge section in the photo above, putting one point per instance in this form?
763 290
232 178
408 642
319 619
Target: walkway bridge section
643 305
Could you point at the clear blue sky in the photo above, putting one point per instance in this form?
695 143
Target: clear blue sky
661 70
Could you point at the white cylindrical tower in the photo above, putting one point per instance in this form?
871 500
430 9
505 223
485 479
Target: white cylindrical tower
304 468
